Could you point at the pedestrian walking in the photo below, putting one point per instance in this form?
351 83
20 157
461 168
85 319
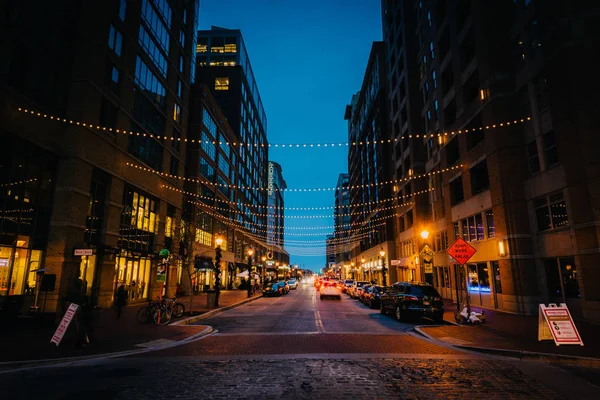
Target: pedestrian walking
120 299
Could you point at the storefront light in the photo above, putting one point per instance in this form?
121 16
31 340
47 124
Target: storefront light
501 248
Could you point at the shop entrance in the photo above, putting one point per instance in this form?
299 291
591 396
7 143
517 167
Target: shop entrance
134 273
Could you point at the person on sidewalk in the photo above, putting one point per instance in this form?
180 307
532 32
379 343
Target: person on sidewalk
120 299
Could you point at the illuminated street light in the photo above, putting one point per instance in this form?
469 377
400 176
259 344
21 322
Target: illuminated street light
425 234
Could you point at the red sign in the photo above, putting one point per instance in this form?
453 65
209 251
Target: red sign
461 251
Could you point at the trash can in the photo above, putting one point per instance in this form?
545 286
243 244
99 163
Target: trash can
211 298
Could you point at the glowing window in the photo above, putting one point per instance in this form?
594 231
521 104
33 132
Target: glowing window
222 83
201 48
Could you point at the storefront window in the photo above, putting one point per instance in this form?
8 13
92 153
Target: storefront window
447 276
5 257
87 268
484 277
562 268
473 278
133 272
17 283
35 261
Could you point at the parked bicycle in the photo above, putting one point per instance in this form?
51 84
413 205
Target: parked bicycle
169 307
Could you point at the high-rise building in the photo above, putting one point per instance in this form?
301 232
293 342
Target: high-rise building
341 217
370 170
276 214
92 117
512 130
224 67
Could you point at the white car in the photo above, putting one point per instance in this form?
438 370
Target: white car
329 289
293 284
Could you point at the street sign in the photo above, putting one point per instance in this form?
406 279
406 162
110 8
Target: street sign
461 251
83 252
555 322
427 254
64 324
395 262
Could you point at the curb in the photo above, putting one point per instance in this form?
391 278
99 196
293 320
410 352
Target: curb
212 313
58 362
507 352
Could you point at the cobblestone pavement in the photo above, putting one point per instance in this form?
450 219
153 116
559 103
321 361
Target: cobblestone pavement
279 379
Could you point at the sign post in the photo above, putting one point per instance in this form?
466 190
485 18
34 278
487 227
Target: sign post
555 322
161 273
462 252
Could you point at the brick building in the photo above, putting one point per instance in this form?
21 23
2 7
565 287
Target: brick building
524 193
120 68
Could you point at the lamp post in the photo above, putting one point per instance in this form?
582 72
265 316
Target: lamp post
362 267
383 267
424 235
250 253
264 269
218 243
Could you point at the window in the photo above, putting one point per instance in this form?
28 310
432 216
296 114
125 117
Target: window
174 170
151 48
452 152
431 49
434 78
177 113
561 278
182 38
551 212
207 170
115 40
139 221
209 123
222 83
108 114
208 146
436 109
533 157
122 9
456 191
112 78
170 221
480 180
181 64
550 150
203 237
95 214
146 79
179 89
489 222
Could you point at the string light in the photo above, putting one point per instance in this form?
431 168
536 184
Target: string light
18 182
233 203
424 175
276 145
275 227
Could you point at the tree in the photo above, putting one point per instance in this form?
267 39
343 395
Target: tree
187 247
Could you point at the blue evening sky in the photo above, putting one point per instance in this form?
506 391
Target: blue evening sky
309 58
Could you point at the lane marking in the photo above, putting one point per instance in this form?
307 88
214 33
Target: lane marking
320 327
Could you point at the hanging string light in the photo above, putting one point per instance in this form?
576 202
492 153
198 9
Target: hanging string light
164 174
233 203
276 145
18 182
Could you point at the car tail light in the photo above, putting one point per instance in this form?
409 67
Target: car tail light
411 298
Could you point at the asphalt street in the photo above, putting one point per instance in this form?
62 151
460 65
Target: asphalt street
300 347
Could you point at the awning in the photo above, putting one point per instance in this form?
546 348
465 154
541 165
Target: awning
203 264
241 266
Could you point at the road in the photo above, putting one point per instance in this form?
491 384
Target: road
300 347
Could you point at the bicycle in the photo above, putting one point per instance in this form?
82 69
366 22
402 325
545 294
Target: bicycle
146 313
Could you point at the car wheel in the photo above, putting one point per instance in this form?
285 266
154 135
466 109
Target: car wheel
399 315
382 310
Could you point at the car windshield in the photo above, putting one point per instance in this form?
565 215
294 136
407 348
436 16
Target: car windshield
349 281
292 281
361 284
423 290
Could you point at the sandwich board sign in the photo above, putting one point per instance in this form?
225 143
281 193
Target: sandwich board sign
64 324
555 323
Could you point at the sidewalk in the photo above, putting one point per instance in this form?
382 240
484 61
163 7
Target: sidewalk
30 338
511 332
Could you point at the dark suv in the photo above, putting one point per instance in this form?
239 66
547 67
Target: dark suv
408 300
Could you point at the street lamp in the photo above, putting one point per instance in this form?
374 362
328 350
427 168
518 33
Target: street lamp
263 269
425 234
217 269
250 252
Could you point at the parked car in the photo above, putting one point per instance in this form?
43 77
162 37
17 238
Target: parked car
347 284
285 286
293 284
361 290
329 289
353 291
272 289
372 297
409 300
